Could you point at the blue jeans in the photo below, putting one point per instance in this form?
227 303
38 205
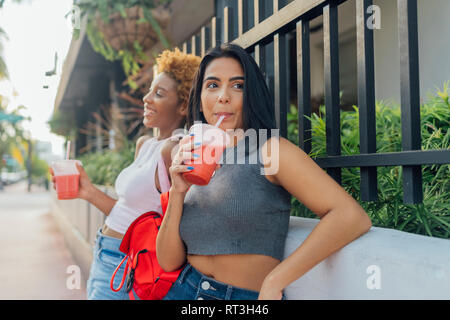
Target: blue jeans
106 258
193 285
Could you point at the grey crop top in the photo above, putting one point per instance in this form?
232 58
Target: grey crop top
238 212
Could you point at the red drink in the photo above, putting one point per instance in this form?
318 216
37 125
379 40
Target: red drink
67 186
205 165
212 141
67 178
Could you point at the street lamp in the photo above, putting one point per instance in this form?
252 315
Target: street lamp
51 72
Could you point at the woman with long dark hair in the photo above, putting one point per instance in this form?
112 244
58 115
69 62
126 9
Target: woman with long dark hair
231 233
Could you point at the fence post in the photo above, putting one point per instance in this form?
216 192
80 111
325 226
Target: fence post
366 98
410 96
304 85
331 68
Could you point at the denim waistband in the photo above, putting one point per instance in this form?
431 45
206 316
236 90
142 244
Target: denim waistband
106 242
210 287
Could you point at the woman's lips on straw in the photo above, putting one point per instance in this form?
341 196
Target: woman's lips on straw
224 114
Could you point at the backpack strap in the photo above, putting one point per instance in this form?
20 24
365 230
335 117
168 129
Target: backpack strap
164 197
162 175
162 172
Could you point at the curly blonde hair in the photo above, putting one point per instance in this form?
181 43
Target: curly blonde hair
181 67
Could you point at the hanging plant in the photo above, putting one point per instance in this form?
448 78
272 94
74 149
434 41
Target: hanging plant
125 29
63 123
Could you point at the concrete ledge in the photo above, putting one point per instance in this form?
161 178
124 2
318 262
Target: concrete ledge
80 249
79 221
381 264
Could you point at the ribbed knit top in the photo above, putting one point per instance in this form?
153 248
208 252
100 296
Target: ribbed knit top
238 212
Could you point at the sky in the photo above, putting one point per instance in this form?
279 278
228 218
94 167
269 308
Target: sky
36 30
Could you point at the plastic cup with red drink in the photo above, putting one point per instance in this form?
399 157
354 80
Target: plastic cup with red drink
209 144
67 178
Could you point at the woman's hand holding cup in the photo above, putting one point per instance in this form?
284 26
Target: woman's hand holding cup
179 184
85 188
185 152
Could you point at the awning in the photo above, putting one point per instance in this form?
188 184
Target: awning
81 70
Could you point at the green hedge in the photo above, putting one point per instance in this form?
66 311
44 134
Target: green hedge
103 168
432 217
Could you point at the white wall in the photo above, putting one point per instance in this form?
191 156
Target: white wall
347 54
409 266
434 48
188 16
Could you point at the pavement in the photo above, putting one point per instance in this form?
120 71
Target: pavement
34 261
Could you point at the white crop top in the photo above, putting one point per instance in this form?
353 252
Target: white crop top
136 189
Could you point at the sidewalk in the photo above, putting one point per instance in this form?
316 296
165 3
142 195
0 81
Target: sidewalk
33 257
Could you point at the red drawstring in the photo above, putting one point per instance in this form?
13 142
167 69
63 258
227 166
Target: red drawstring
123 277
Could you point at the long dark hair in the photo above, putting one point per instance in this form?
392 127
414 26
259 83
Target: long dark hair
258 109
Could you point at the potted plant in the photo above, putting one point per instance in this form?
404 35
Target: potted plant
125 29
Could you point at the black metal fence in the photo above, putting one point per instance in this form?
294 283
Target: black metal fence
271 26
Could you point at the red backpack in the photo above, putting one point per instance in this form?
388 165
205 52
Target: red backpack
145 277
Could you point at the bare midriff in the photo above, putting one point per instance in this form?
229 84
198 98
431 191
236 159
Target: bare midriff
246 271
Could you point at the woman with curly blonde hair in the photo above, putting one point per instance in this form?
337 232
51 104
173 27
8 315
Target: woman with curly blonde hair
139 185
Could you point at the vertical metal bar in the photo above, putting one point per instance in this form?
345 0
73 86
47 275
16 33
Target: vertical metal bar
245 17
256 22
227 24
410 96
304 85
189 46
262 14
266 52
366 98
331 69
205 40
281 79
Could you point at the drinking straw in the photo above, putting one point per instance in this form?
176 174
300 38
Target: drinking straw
68 150
219 121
